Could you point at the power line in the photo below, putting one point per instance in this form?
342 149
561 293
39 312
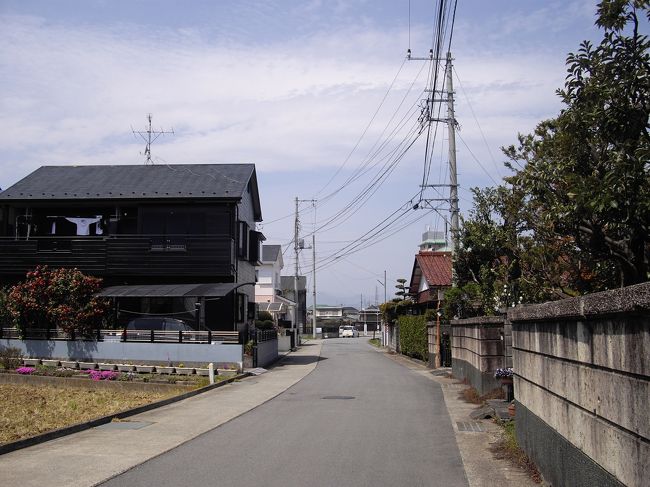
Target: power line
364 131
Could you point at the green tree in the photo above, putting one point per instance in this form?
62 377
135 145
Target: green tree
401 289
586 174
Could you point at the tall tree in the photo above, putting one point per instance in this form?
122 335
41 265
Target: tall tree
586 173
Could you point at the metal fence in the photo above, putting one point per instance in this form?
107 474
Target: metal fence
149 336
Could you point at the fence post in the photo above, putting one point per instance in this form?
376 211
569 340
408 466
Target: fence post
180 336
152 337
72 334
209 336
99 334
124 335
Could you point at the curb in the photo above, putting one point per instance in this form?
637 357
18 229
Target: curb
75 428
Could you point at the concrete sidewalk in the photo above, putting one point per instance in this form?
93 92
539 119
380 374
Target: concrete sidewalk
481 466
92 456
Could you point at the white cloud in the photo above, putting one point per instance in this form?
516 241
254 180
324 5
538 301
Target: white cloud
72 92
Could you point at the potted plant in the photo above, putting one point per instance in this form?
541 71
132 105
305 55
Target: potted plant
505 376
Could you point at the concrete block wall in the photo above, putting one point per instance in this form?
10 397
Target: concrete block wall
267 352
478 348
582 386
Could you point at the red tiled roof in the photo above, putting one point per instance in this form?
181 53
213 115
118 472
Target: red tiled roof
436 267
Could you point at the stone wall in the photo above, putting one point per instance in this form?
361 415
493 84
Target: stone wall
478 348
582 386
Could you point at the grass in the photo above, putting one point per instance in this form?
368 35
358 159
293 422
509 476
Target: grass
27 410
376 342
508 448
470 394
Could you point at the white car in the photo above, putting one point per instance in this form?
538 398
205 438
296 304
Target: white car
348 332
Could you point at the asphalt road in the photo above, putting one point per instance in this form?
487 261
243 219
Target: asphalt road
359 419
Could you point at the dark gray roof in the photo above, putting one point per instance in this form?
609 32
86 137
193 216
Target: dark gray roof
133 182
270 253
169 290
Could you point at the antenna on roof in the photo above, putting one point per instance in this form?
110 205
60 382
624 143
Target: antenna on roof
149 136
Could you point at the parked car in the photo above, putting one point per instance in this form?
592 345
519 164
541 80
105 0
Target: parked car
348 332
140 328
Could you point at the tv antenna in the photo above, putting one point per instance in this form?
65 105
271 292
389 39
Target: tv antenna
150 136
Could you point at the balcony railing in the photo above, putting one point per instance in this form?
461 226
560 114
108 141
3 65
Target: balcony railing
130 255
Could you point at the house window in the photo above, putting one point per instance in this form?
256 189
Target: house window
243 240
242 303
255 246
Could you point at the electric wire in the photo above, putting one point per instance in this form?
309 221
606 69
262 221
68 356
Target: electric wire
364 131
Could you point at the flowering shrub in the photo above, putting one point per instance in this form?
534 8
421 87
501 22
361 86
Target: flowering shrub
25 370
57 298
503 373
102 374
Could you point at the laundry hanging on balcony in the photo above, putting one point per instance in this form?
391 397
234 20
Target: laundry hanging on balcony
83 225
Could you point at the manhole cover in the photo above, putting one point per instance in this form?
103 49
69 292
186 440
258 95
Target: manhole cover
125 425
470 426
338 397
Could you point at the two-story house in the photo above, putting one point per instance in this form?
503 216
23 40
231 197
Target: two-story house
369 318
432 271
166 239
268 289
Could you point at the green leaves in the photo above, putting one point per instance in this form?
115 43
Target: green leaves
413 336
587 170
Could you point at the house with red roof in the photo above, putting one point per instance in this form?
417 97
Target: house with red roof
431 275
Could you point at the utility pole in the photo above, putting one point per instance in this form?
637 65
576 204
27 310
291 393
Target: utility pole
450 120
383 331
298 245
147 137
296 248
453 174
313 315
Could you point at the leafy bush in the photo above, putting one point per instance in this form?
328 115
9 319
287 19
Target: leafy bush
264 325
264 316
392 309
413 336
57 298
10 357
25 370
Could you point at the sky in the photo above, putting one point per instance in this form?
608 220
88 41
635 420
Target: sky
311 92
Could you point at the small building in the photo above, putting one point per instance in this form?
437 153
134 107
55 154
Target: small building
166 239
268 289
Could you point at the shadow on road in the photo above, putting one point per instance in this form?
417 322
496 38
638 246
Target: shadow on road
300 360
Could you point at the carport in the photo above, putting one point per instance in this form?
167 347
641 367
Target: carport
202 305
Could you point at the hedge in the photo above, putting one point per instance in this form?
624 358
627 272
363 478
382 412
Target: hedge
413 336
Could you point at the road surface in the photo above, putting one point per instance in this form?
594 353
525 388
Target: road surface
359 419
